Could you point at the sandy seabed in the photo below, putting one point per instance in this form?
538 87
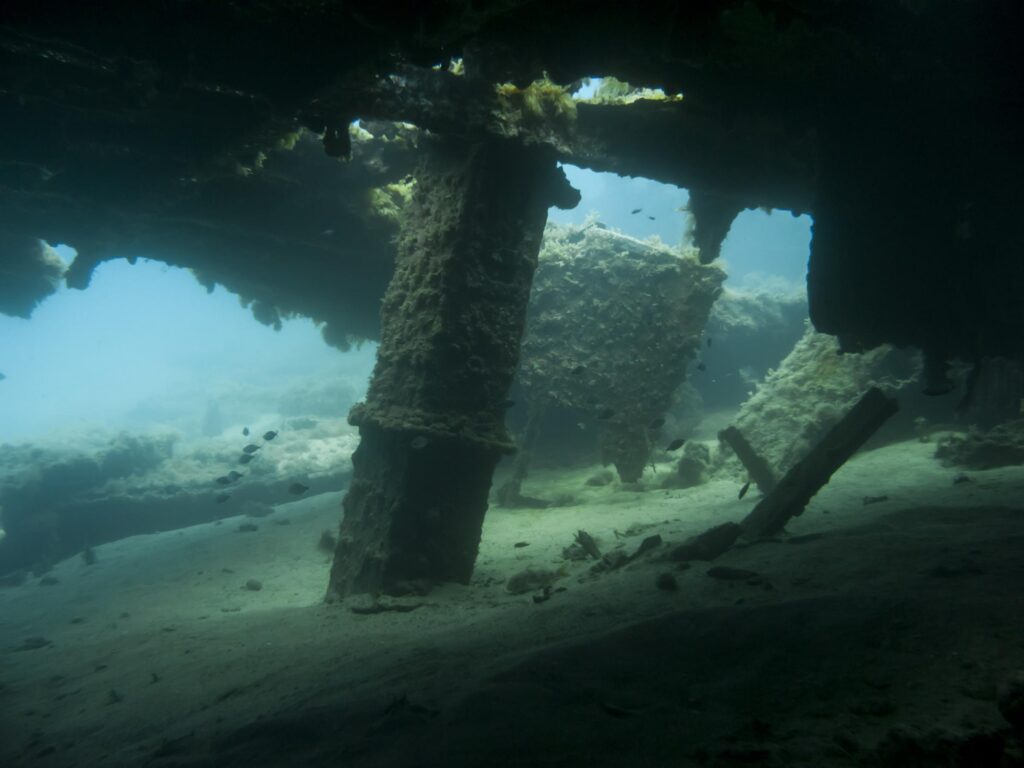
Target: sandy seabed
892 622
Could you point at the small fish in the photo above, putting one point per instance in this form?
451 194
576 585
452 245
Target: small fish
418 443
245 431
2 377
579 369
676 444
657 423
220 498
233 475
269 435
744 489
521 544
297 489
605 413
507 403
251 448
223 480
709 342
635 211
245 458
651 218
701 366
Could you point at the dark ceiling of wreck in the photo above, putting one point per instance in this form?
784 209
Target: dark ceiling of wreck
195 133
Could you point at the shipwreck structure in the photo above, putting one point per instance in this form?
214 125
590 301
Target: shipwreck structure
223 137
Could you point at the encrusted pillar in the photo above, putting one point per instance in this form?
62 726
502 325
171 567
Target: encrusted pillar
432 426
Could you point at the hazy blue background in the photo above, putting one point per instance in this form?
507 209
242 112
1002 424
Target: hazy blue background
145 344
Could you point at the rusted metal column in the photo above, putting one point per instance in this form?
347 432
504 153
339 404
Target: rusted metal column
432 426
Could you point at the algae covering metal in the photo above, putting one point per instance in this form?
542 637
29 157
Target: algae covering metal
613 324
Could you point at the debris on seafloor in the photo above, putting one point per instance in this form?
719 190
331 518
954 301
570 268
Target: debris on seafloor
726 573
378 607
617 558
707 545
531 580
1001 446
589 545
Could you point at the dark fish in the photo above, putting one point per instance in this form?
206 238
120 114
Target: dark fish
269 435
635 211
418 443
507 403
233 475
245 431
709 342
970 386
223 480
578 370
651 218
2 377
744 489
676 444
701 366
251 448
521 544
220 498
245 458
297 489
874 499
656 423
605 414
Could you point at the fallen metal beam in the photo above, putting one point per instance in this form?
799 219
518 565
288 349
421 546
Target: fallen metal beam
795 490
